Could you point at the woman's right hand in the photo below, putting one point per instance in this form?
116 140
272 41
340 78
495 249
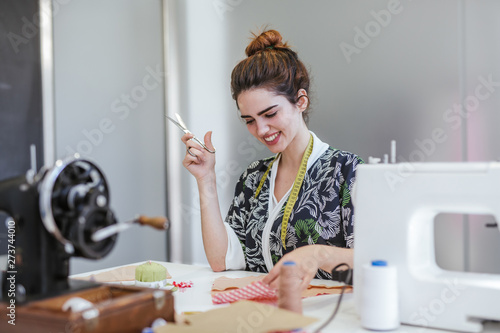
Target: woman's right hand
213 231
202 165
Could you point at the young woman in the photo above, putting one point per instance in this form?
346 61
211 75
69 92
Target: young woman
295 205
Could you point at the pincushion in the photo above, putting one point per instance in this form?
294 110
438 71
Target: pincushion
151 274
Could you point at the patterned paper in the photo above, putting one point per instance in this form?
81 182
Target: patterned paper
255 291
228 290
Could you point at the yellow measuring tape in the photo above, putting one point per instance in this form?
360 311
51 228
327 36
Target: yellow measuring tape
297 184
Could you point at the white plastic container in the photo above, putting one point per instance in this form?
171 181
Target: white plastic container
379 300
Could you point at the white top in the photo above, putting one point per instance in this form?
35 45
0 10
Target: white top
235 259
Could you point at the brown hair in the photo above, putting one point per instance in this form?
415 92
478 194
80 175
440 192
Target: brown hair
272 65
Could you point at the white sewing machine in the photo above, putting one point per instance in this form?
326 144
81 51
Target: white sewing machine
395 208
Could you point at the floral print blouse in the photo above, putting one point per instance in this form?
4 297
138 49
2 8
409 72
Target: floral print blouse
322 214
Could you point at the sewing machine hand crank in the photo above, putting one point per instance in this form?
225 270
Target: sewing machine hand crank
160 223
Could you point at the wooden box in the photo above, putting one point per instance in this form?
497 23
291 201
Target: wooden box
116 309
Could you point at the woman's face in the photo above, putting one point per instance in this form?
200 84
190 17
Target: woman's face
271 118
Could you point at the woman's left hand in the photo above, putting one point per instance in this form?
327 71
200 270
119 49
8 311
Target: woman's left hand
309 259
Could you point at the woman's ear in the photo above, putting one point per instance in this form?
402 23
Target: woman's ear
302 100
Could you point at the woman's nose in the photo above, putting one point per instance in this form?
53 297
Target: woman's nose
262 127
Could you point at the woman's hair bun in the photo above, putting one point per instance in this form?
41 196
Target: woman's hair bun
270 39
270 64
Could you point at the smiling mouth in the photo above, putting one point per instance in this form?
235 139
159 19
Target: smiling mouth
271 138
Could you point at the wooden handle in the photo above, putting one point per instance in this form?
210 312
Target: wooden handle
158 222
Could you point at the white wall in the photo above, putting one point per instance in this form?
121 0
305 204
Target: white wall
399 85
481 39
199 61
109 106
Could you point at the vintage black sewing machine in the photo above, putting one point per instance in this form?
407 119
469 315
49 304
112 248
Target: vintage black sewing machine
56 212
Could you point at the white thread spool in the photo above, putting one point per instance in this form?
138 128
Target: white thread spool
379 300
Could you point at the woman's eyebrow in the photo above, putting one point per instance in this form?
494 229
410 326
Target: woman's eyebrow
263 111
